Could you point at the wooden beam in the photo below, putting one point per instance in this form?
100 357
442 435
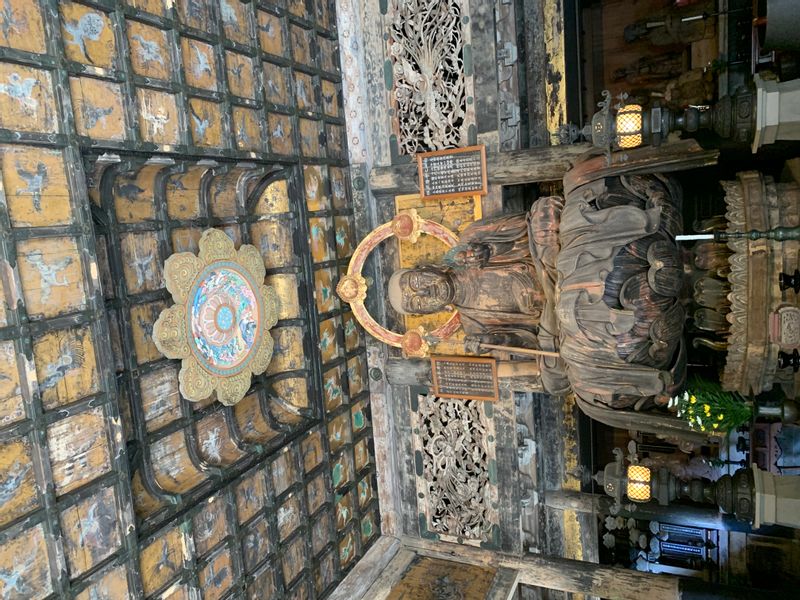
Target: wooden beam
559 573
504 586
367 570
548 163
390 576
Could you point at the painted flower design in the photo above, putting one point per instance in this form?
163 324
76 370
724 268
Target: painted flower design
219 324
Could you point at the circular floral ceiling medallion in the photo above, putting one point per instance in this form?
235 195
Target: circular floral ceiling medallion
219 324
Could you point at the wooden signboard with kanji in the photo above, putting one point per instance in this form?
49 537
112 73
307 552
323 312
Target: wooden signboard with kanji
451 173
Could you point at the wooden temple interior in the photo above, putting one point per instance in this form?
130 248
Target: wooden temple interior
629 256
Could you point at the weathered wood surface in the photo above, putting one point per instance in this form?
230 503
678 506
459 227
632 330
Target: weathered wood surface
504 586
368 569
389 577
559 573
504 168
433 579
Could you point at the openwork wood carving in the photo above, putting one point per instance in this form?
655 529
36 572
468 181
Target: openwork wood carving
219 324
426 43
454 443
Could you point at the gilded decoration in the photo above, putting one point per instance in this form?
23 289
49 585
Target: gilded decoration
352 287
219 324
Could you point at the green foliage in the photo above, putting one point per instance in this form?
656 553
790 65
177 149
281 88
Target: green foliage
705 406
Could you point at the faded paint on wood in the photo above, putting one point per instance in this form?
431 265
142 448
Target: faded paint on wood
280 134
320 238
35 186
301 45
274 199
158 116
97 107
143 316
214 442
251 421
271 35
96 47
317 187
205 120
288 350
199 64
251 495
274 239
141 262
27 102
246 128
329 341
210 525
133 194
149 51
66 367
172 466
332 391
183 193
112 584
324 293
24 566
284 471
239 69
160 397
18 487
216 577
51 276
90 531
236 22
310 138
257 543
79 449
289 517
312 450
429 579
162 559
24 29
12 406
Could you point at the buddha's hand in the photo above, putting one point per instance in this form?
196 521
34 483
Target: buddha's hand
476 254
472 344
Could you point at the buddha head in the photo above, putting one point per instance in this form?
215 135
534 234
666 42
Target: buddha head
421 291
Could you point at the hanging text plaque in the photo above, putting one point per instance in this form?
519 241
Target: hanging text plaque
467 377
454 172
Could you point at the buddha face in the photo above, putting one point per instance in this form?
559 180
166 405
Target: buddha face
425 291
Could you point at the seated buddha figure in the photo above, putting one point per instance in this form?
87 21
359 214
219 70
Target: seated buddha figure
500 278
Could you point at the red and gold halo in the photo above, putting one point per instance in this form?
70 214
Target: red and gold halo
352 287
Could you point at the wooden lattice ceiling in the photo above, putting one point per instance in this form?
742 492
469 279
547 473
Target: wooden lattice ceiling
126 128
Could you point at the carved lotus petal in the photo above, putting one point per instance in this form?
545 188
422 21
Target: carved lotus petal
216 245
250 258
169 332
180 271
195 382
270 306
232 389
263 356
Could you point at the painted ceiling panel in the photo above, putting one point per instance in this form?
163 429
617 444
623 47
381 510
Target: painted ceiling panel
126 129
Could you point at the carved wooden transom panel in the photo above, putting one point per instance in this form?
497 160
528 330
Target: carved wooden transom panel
454 448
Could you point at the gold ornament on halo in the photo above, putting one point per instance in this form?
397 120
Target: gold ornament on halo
219 325
352 288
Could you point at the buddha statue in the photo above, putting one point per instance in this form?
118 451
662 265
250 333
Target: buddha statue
500 278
